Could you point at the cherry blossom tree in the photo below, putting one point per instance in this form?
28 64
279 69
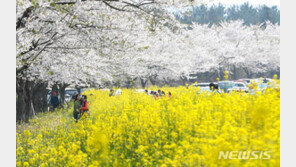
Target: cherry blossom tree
97 41
93 34
230 45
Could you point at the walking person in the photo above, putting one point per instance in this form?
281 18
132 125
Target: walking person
77 104
111 93
156 96
152 93
159 92
54 101
84 105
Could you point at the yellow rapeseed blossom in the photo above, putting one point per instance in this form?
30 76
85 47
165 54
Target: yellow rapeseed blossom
134 129
226 76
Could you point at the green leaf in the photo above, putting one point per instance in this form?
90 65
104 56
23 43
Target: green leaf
34 3
50 72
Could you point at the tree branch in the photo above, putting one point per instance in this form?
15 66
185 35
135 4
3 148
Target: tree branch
26 14
27 63
113 7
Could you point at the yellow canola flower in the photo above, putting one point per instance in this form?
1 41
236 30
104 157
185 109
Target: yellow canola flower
26 164
134 129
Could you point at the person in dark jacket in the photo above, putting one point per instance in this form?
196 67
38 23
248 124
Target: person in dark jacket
54 101
111 93
212 86
77 104
159 92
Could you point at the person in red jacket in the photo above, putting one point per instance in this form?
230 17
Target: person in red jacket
84 105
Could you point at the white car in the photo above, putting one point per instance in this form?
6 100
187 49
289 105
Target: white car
69 92
140 90
203 86
239 86
246 81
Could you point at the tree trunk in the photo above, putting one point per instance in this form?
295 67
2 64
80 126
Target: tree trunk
40 97
166 82
184 80
25 108
249 75
234 73
221 74
212 77
153 80
44 98
62 91
143 82
129 83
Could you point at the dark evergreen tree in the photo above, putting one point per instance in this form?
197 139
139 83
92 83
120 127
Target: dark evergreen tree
248 14
216 14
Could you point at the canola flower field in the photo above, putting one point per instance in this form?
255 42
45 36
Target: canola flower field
134 129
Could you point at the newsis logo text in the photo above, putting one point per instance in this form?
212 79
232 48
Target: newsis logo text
244 154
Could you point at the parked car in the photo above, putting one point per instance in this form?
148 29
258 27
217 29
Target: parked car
203 86
69 93
225 85
262 80
140 90
239 86
48 94
266 80
262 83
245 80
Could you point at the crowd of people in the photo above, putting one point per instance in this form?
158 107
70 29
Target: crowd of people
155 94
81 104
158 94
